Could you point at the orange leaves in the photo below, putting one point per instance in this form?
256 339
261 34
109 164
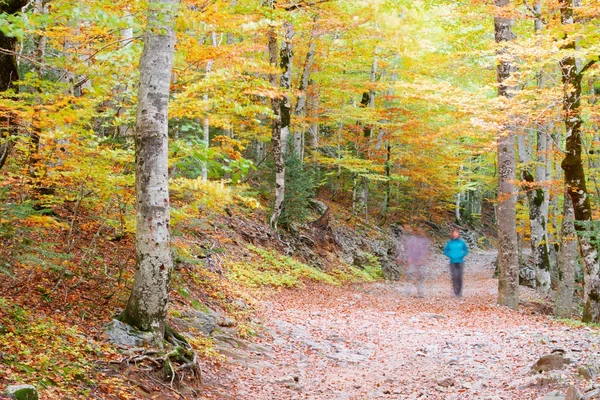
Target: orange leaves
229 146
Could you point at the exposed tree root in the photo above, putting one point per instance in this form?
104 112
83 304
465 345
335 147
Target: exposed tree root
181 358
177 361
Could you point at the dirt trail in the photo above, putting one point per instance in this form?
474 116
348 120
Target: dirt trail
379 341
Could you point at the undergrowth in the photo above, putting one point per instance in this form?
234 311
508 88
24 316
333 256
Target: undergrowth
268 268
52 354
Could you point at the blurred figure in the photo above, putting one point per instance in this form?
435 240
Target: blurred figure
456 250
417 250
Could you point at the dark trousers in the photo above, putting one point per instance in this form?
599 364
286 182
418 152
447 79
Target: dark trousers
456 270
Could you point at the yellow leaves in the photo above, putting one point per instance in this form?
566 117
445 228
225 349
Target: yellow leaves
45 221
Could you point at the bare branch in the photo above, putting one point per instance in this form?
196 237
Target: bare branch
587 66
302 4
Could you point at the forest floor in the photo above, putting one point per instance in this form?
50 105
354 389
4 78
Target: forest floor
381 341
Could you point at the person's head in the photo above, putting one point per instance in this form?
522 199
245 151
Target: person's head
455 233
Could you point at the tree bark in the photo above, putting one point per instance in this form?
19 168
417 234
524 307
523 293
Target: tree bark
508 263
567 261
41 7
9 74
538 215
539 196
572 166
301 106
206 121
282 113
147 305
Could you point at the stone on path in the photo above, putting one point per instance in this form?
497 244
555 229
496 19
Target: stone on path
446 382
573 393
550 362
556 395
588 372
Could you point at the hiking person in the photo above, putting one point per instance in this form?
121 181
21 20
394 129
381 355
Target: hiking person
417 249
456 250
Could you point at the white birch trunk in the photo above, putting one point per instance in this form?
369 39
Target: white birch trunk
282 120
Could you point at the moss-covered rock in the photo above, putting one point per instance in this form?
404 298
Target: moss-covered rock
22 392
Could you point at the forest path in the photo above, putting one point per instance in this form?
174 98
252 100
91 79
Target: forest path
379 341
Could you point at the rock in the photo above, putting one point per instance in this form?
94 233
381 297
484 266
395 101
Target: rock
318 206
22 392
550 362
205 322
240 304
362 259
226 322
433 316
527 276
541 379
121 334
592 394
446 382
288 380
554 396
573 393
588 372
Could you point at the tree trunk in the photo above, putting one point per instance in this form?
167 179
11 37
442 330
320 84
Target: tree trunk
9 73
508 262
539 196
301 106
575 180
147 305
282 114
538 216
206 121
388 183
567 261
41 7
368 100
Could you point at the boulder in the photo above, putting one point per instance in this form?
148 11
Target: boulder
527 276
362 259
550 362
22 392
121 334
573 393
204 322
588 372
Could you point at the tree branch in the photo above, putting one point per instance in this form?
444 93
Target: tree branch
587 66
302 4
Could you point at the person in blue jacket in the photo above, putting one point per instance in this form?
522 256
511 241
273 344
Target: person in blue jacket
456 250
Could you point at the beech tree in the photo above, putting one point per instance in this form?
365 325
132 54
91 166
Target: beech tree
508 263
575 180
147 305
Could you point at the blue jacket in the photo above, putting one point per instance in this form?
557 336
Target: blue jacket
456 250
